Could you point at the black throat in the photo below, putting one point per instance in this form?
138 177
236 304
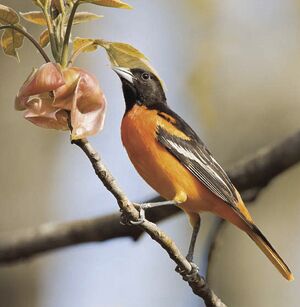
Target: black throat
142 93
130 95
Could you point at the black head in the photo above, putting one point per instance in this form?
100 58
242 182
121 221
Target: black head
140 87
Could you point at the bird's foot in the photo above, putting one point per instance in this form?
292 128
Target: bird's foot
189 276
141 208
124 220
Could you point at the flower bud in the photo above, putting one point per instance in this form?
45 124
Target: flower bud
50 95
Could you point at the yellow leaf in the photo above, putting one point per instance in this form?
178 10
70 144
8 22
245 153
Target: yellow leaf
82 17
109 3
84 45
37 18
120 54
10 41
44 38
122 48
8 15
125 55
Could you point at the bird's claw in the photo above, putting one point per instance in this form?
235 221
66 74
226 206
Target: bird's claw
141 218
191 275
124 220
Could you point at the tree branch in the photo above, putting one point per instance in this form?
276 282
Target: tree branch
196 282
258 170
34 241
249 176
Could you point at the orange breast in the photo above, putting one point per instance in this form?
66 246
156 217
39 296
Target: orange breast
163 172
154 163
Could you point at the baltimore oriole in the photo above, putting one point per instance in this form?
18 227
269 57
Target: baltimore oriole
173 160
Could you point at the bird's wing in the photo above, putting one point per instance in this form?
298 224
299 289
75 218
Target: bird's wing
192 153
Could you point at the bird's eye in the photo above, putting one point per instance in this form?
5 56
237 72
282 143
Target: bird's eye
145 76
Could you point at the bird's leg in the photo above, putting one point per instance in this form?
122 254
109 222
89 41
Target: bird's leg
191 275
146 206
143 207
196 228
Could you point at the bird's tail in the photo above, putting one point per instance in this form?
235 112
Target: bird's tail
256 235
246 223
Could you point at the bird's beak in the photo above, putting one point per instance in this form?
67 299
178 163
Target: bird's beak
124 73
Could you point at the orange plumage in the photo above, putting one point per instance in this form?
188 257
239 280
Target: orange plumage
168 165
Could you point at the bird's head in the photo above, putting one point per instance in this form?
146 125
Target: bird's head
140 87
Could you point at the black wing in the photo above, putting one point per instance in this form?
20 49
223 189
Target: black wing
197 159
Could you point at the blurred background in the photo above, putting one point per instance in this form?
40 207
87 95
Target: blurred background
232 69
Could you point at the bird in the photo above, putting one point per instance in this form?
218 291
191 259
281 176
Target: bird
169 155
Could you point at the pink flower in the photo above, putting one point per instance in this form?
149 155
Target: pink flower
50 95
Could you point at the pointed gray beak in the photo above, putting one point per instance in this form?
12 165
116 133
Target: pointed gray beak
124 73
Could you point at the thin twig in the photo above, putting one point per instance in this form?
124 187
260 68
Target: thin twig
26 244
266 164
48 237
50 26
62 6
65 51
31 38
197 283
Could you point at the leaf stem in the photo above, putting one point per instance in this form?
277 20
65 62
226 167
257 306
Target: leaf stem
53 42
65 51
62 6
78 52
31 38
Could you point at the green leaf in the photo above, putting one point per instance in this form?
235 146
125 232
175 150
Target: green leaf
82 17
35 17
109 3
44 38
12 40
8 15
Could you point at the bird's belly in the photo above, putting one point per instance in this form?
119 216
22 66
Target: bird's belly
161 170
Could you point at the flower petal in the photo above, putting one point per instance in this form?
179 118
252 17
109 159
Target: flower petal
20 101
64 94
49 94
90 95
41 113
89 90
45 79
87 120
